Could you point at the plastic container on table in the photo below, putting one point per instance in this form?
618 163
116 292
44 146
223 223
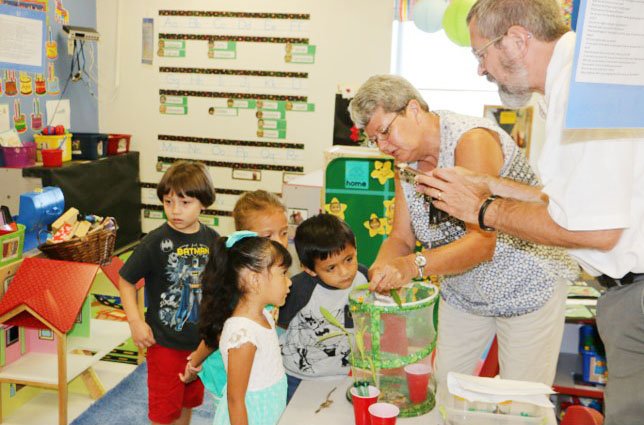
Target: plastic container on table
118 143
89 145
63 141
20 157
11 245
52 157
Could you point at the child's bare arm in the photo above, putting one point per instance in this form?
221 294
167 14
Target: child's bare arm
240 363
195 359
141 332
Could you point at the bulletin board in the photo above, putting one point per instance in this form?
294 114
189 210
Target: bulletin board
35 65
249 90
607 85
361 191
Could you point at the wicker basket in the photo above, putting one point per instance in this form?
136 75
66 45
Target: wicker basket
96 248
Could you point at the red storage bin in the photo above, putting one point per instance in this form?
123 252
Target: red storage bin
20 157
118 143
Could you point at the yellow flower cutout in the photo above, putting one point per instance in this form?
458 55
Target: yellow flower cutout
336 208
375 225
382 171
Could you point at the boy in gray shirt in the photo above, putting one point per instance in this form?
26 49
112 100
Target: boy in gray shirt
326 247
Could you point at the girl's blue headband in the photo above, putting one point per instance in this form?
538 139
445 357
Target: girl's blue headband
235 237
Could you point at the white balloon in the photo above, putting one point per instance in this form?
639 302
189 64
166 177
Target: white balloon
428 14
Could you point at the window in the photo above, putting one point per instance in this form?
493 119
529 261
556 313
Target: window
45 334
12 335
444 73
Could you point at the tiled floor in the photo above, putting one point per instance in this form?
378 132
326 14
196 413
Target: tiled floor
43 409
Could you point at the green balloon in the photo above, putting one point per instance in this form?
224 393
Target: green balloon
454 21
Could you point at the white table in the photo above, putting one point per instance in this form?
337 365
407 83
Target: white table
309 395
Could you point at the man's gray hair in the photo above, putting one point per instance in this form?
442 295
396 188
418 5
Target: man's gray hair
390 92
543 18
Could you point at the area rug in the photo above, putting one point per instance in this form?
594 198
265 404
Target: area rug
127 404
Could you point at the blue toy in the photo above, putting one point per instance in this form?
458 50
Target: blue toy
38 210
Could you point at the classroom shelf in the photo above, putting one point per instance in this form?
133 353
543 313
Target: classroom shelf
568 365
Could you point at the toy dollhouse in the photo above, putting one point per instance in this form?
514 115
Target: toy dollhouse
47 337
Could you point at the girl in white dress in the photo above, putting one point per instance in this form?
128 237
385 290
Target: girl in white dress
245 273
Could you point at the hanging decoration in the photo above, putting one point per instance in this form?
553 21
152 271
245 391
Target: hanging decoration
454 21
403 9
61 14
428 14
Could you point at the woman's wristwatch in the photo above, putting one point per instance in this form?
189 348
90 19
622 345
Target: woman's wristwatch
420 262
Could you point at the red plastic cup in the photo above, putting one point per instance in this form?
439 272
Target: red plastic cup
383 414
52 157
361 404
417 381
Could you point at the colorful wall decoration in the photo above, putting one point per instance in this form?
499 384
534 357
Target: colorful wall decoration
26 92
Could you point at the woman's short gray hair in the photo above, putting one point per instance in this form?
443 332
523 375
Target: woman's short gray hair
390 92
543 18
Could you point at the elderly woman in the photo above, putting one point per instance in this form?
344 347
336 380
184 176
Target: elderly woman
493 283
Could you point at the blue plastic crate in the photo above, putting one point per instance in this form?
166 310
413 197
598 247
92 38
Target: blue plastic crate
89 145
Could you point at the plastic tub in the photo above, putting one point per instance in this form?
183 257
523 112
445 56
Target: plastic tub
118 144
11 245
452 416
20 157
457 411
89 145
63 141
52 157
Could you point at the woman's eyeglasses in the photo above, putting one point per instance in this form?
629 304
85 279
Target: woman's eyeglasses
382 135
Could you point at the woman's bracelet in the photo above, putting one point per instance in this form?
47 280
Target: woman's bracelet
482 211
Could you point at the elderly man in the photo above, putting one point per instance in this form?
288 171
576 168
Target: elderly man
592 199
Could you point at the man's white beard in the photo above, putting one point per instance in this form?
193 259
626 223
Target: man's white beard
516 92
514 100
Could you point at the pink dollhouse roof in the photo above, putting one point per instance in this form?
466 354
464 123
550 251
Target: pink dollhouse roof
55 290
112 272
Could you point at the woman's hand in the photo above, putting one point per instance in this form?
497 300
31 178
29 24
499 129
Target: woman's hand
392 274
141 334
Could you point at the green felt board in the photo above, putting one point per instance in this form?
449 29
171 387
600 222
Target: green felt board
350 181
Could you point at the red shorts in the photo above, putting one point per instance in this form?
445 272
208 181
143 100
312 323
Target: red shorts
167 395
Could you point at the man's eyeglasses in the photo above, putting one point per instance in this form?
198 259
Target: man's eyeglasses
382 135
480 53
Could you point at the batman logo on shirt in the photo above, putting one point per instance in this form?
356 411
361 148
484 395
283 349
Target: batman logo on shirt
166 245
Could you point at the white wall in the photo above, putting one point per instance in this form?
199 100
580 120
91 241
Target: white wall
353 41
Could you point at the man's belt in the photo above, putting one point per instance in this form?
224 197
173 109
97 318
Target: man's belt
627 279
